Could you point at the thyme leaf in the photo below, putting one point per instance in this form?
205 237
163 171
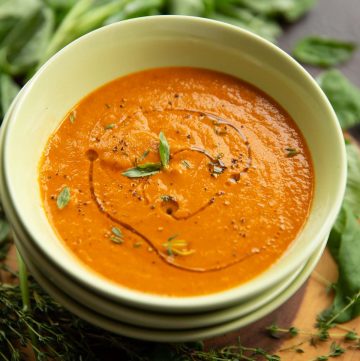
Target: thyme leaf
117 235
72 117
144 155
186 164
291 152
117 232
63 198
110 126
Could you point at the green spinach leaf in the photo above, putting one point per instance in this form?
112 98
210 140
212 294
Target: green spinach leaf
345 248
23 47
323 52
344 241
248 21
343 96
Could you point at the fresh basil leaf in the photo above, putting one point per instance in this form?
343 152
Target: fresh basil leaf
164 150
63 198
24 46
343 96
290 10
323 52
8 91
143 170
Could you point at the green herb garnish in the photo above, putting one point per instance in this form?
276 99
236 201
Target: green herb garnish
164 150
63 198
323 52
291 152
143 170
186 164
343 96
117 235
72 117
166 198
117 232
144 155
147 169
110 126
177 247
117 240
217 170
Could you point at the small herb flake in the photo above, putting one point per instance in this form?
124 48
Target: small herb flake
137 244
217 170
117 232
172 237
186 164
177 247
63 198
110 126
166 198
117 240
144 155
291 152
72 117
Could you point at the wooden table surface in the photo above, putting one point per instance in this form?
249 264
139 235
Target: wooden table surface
340 19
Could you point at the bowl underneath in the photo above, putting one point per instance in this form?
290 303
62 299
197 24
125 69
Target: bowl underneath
167 335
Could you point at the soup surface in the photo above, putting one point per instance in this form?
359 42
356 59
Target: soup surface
177 181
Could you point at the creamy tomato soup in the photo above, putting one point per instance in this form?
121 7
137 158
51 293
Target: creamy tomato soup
177 181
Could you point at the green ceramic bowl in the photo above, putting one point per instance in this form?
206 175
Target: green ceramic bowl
138 44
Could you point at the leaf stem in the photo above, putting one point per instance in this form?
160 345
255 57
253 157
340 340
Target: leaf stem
25 296
354 299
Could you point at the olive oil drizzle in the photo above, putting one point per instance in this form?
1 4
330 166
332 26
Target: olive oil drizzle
92 157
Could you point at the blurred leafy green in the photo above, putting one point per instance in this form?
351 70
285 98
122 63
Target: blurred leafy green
343 96
321 51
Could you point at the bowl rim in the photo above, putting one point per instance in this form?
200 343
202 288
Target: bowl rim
191 303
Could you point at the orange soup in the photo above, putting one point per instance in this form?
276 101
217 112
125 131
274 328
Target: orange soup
177 181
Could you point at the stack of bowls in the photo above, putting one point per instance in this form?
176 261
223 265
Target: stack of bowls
127 47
